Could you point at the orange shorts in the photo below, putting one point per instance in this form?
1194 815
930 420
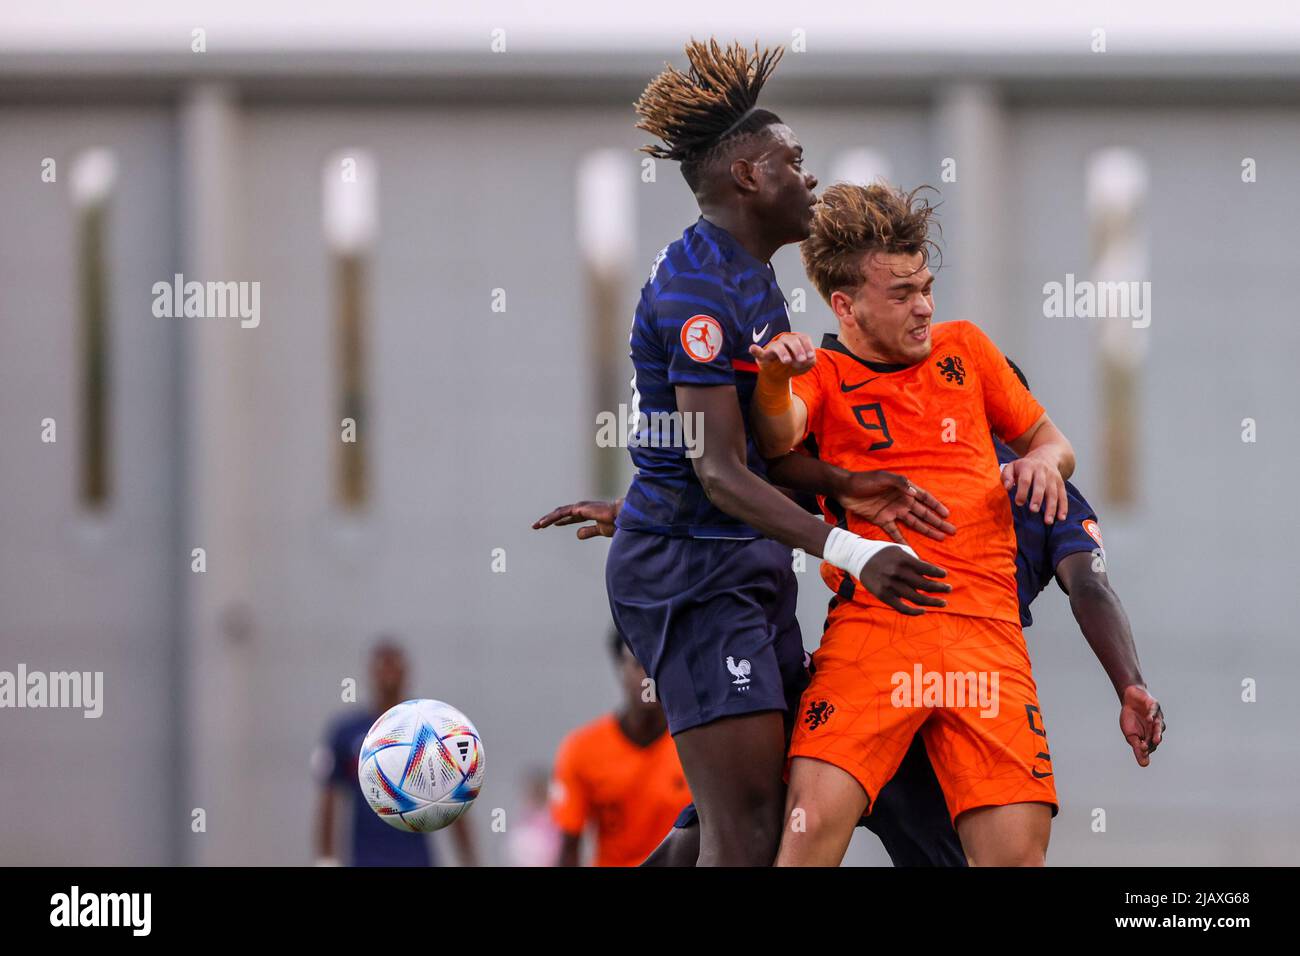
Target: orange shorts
963 682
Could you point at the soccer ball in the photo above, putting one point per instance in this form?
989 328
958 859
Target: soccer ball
421 765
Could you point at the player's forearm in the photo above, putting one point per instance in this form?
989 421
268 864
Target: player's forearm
1050 444
775 434
1105 627
806 474
775 415
733 488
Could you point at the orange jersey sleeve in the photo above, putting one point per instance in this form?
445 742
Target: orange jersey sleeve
808 387
569 799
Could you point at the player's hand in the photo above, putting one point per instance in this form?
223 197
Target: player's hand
604 513
1037 480
886 500
1142 721
895 576
787 355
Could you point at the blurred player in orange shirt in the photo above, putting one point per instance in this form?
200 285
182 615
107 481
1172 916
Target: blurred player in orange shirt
619 774
893 391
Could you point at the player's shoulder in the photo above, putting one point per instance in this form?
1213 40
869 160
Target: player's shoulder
689 256
349 723
967 342
829 350
965 334
684 297
957 330
831 353
591 735
705 284
829 367
832 367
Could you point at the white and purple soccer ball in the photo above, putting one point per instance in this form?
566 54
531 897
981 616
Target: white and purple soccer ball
421 765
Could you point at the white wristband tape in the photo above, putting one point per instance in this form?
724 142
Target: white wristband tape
850 552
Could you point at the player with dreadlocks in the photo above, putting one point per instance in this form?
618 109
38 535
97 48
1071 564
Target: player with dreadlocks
699 571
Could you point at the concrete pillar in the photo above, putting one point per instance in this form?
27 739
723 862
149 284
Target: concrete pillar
219 632
970 136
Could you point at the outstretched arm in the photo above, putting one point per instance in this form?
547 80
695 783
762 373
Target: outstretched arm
604 513
1105 627
881 497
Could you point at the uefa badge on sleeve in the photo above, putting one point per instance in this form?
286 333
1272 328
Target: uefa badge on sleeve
702 338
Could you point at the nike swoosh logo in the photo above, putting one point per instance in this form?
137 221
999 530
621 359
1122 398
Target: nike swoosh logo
845 387
759 333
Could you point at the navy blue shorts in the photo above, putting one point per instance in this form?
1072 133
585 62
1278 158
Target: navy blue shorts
911 816
711 621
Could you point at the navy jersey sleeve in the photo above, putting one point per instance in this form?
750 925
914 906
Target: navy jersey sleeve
1078 532
695 318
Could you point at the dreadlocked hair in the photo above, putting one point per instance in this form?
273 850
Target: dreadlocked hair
694 112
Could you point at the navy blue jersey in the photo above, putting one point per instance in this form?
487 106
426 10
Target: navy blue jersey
1040 546
706 302
373 842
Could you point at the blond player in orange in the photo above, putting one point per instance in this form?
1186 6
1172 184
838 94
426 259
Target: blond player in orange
618 776
895 391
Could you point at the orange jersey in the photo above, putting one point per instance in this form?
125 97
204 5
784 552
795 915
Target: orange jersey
630 794
929 422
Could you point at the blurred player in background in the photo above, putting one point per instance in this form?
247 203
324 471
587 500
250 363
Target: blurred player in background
533 838
618 775
699 572
371 841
